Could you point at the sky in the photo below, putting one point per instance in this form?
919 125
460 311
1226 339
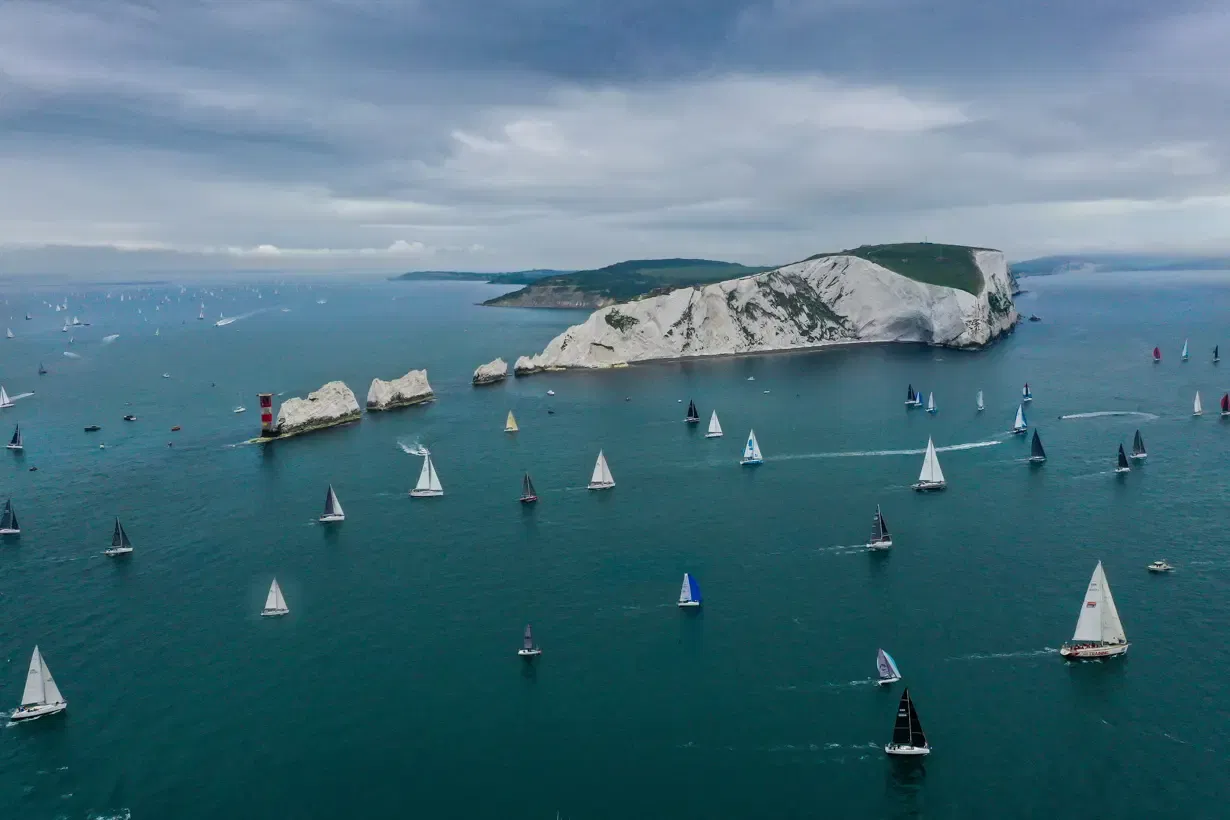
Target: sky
390 135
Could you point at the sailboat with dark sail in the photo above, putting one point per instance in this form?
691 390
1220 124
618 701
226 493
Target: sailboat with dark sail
1138 448
120 545
15 443
1157 355
528 650
333 508
1123 466
1225 404
880 537
1036 454
42 371
1216 355
8 520
908 737
912 399
693 417
528 496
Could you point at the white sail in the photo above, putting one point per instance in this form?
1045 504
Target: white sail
715 427
274 602
51 692
602 473
1099 618
510 424
1019 423
931 465
930 401
36 684
8 332
333 506
5 401
428 479
1197 408
1184 354
751 452
980 400
685 592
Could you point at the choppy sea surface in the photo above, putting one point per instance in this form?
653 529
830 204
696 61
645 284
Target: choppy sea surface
393 688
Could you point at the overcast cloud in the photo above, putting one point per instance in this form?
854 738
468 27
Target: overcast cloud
501 134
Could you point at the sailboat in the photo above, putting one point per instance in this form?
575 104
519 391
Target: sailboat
528 496
5 401
1183 355
908 737
1099 632
751 451
692 417
333 508
15 442
28 317
1225 404
8 332
8 520
1026 393
201 316
1019 425
689 593
1122 466
41 696
510 423
911 397
42 371
715 427
1036 454
120 545
880 537
602 478
429 482
931 477
275 604
1216 355
1197 407
931 408
1138 448
981 406
528 650
887 669
1157 355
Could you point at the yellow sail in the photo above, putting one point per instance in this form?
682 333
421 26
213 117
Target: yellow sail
510 426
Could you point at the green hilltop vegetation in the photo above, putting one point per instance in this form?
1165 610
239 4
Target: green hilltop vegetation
931 263
621 282
520 277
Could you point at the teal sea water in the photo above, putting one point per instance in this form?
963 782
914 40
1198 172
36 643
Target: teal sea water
393 688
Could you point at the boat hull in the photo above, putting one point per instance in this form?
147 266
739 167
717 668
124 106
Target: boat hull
929 486
1037 459
887 681
528 499
933 410
1138 456
1080 653
689 603
907 751
274 613
600 485
10 532
1019 431
113 551
13 447
331 519
426 493
529 653
713 435
1122 470
751 462
36 712
885 544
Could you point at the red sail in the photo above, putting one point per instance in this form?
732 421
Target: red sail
1225 403
1157 354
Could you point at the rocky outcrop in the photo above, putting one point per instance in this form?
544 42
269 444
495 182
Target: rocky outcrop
491 372
411 388
331 405
825 301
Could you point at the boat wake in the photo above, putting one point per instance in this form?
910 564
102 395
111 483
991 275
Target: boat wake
70 355
415 448
844 549
21 396
109 339
230 320
825 687
991 656
1107 413
972 445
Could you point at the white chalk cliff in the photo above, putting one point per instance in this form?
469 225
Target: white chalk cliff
333 404
411 388
829 300
491 372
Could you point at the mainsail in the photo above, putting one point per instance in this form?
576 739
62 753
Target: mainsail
751 451
15 441
1123 462
1019 424
274 602
527 642
931 472
1099 617
5 401
1036 453
602 477
1197 407
887 667
931 402
1183 355
527 488
879 528
907 730
119 538
510 424
429 482
8 519
40 688
980 405
715 427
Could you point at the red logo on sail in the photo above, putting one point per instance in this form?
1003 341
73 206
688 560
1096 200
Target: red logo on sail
1091 603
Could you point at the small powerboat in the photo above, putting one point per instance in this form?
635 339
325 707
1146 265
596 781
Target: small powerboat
93 428
1160 566
130 417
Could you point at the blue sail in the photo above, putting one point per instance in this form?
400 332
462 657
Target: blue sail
887 667
693 589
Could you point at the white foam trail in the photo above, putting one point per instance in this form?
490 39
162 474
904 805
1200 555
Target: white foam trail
70 355
1104 413
972 445
21 396
988 656
232 319
109 339
414 449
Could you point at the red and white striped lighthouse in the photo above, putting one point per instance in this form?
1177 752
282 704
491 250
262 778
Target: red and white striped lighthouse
266 400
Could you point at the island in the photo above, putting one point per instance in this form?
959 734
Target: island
331 405
944 295
491 372
410 389
620 282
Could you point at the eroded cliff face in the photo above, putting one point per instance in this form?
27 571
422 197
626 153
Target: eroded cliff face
332 404
831 300
492 372
412 388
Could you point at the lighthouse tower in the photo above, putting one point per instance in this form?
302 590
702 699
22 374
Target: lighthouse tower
266 401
